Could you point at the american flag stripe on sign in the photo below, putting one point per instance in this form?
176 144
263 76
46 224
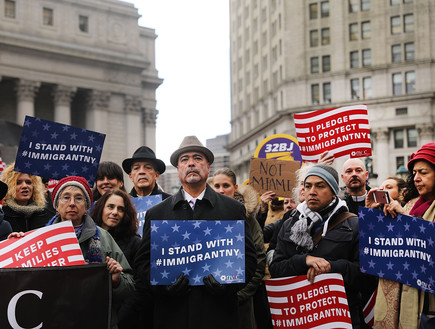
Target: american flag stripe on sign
369 310
54 245
296 303
341 131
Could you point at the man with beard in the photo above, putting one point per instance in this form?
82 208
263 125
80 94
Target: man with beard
182 305
144 169
355 178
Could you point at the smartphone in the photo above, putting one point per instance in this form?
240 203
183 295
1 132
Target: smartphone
381 197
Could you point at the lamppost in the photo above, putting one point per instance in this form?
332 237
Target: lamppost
402 172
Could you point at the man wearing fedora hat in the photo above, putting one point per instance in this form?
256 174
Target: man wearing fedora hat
144 169
212 305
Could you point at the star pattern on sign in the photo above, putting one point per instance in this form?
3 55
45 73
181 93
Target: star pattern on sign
398 249
197 252
46 127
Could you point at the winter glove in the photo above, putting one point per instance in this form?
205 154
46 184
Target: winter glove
179 288
213 286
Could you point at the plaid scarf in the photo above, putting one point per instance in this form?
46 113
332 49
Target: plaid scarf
93 255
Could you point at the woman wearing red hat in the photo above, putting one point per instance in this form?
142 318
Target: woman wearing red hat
399 305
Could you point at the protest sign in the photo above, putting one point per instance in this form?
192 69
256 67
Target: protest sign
297 303
197 249
273 175
55 297
279 147
54 150
400 249
142 204
54 245
342 131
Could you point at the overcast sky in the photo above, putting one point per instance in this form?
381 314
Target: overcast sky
192 56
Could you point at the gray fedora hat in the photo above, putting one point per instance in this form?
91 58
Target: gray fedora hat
143 153
191 144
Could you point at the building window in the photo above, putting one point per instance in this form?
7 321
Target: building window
399 139
10 8
314 38
314 64
407 1
395 25
354 88
365 30
365 5
47 16
84 23
314 9
327 92
410 82
326 63
400 161
325 36
412 135
397 84
367 57
396 53
353 31
402 111
324 9
354 59
353 6
408 23
367 88
409 51
315 94
395 2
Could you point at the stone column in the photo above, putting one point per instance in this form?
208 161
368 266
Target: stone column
62 103
135 129
150 118
96 115
381 161
425 133
26 92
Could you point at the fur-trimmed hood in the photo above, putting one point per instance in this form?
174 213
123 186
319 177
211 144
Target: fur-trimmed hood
249 197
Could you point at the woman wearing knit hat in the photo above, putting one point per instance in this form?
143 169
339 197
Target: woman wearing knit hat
399 305
72 197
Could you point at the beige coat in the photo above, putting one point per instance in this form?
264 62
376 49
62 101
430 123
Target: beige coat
388 313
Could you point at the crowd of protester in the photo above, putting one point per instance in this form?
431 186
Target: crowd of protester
311 233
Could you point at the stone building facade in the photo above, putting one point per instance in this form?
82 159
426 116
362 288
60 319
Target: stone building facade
86 63
295 56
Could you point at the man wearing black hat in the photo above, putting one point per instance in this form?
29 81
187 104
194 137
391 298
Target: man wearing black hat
144 169
5 226
181 305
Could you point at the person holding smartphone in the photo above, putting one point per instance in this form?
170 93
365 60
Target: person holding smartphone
391 189
399 305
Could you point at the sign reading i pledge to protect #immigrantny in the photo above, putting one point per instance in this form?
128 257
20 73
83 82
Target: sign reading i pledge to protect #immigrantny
197 249
54 150
53 245
342 131
400 249
297 303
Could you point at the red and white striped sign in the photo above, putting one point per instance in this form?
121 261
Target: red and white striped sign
369 309
297 303
341 131
2 166
52 184
54 245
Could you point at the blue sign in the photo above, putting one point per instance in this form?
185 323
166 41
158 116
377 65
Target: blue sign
197 249
142 204
54 150
400 249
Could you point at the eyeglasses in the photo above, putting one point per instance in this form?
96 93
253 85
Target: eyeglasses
77 199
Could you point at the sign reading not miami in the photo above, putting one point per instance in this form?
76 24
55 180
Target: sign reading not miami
54 150
197 249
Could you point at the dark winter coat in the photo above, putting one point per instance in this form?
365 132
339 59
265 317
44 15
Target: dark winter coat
26 218
5 227
197 309
156 190
340 247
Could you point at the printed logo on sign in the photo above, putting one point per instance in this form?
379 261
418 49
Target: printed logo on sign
363 153
231 278
424 285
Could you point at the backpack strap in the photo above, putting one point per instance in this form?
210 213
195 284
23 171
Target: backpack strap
334 222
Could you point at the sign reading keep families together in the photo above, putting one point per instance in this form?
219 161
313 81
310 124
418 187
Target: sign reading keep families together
55 150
